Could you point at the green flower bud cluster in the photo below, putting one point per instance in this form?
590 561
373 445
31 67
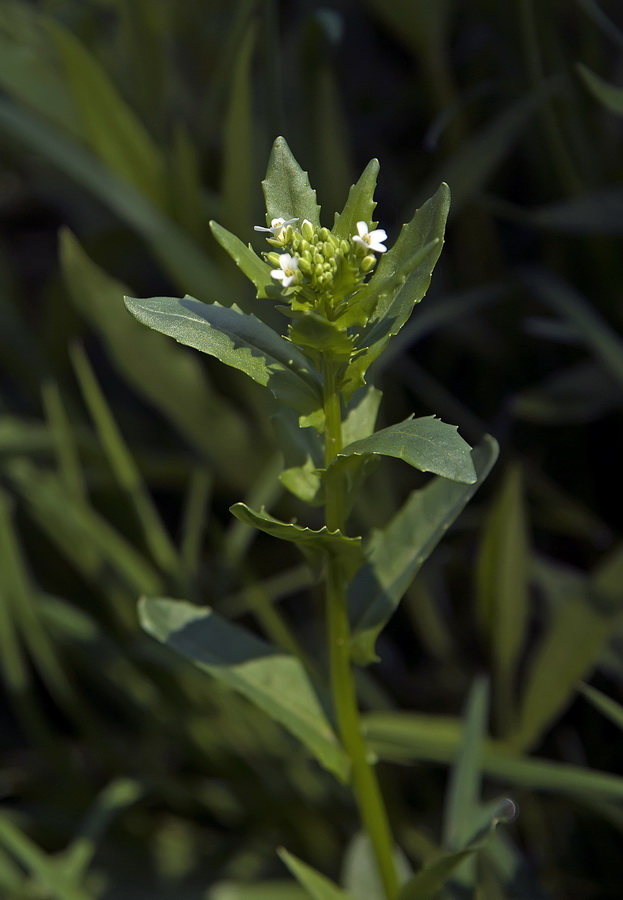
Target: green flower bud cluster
317 270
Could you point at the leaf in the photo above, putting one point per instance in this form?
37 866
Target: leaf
245 257
155 367
315 544
608 95
273 681
462 806
237 339
503 590
598 335
110 128
185 262
606 705
431 879
427 444
360 873
400 281
303 454
396 553
265 890
318 886
360 204
576 634
239 152
287 189
408 737
593 212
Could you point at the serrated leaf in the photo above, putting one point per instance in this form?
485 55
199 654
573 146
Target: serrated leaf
425 228
318 886
315 544
427 444
237 339
287 190
360 204
396 553
399 282
245 257
275 682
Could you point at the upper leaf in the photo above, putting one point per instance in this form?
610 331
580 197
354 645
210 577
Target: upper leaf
287 190
428 444
238 340
360 204
245 258
275 682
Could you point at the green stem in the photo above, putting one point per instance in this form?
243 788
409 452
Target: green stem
365 783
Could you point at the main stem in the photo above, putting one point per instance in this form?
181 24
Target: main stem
365 783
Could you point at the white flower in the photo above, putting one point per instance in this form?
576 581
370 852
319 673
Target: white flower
286 273
277 227
370 239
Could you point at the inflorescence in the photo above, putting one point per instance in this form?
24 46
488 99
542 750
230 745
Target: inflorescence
317 270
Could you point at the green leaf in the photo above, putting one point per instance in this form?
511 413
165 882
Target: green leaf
597 334
606 705
607 94
237 339
110 128
429 881
286 187
313 332
396 553
239 179
318 886
245 257
427 444
408 737
265 890
360 873
304 457
462 806
315 544
273 681
185 262
579 628
360 204
503 589
155 367
91 544
401 280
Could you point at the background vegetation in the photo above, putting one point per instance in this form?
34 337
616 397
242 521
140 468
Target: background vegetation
126 126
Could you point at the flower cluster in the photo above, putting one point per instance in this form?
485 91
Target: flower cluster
316 269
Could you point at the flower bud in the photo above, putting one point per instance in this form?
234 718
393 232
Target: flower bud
367 263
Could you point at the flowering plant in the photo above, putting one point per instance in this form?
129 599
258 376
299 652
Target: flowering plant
344 295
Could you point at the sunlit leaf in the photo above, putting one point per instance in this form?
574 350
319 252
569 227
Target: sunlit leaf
427 444
273 681
236 339
286 187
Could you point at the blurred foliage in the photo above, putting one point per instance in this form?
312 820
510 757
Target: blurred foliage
126 125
